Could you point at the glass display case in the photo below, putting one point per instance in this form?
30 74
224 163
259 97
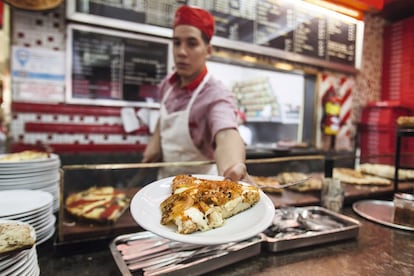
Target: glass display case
125 180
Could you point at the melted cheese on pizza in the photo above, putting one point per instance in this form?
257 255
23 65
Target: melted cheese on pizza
199 205
97 203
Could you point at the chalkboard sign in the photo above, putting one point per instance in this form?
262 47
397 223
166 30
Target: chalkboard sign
289 29
114 67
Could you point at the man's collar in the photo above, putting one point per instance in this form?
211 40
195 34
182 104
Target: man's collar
192 85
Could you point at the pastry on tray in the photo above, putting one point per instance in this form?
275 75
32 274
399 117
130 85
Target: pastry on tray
386 171
267 183
313 184
352 176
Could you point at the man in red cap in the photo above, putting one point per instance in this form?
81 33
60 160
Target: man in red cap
197 115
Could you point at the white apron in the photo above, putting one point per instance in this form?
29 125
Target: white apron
176 142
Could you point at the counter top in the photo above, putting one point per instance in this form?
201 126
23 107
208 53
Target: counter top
378 250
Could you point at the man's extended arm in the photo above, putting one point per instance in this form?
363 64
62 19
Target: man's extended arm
230 154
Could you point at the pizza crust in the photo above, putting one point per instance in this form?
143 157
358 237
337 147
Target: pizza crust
101 204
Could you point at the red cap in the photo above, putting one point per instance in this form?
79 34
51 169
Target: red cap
199 18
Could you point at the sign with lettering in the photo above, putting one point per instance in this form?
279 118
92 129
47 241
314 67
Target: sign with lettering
288 29
116 66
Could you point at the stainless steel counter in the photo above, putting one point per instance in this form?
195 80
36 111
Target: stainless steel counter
378 250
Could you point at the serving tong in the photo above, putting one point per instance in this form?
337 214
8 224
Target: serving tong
289 184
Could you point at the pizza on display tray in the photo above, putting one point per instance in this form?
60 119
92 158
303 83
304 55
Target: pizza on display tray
100 204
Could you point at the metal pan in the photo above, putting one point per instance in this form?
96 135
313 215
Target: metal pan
339 227
145 253
379 211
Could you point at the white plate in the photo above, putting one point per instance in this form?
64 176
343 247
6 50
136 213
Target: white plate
29 169
31 214
145 209
9 259
45 226
37 180
46 236
24 266
14 202
17 174
36 220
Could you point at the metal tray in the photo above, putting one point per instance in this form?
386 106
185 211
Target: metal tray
342 228
145 247
379 211
158 256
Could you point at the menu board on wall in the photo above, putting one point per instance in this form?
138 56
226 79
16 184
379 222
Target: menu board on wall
116 66
293 26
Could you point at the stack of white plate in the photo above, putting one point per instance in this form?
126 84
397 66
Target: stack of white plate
38 174
34 207
20 262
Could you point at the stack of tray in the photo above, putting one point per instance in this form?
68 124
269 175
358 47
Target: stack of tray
145 253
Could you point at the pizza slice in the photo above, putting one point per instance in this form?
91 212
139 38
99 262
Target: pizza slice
199 204
15 236
103 204
352 176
